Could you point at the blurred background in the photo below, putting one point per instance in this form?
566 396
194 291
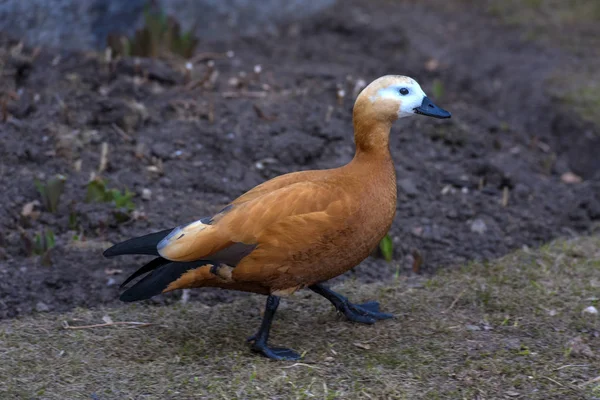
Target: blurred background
123 117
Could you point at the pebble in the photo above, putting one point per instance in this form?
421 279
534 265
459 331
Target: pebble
41 307
569 177
478 226
408 187
473 328
146 194
590 310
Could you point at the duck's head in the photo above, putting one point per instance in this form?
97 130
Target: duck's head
394 96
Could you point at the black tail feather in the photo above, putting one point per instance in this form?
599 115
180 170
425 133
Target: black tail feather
151 266
164 272
139 245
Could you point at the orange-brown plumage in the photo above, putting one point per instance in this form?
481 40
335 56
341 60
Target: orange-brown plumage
298 229
308 226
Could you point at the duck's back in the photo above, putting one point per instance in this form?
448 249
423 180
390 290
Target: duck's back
305 227
333 220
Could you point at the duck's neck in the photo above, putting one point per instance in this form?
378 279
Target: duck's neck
372 164
371 137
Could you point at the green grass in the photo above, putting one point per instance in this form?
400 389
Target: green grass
98 192
511 328
580 91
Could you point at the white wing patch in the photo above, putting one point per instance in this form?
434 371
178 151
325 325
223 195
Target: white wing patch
180 232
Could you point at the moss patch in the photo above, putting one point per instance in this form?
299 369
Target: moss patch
512 328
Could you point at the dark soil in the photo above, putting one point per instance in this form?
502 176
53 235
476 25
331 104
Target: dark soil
195 149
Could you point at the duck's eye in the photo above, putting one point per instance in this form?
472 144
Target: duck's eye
404 91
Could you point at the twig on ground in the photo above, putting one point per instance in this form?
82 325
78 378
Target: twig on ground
455 301
122 133
261 114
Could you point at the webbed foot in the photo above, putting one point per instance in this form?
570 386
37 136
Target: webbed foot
275 353
260 339
366 313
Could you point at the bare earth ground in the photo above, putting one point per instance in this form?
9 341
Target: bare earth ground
192 149
507 329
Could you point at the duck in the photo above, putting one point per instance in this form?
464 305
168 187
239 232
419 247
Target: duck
296 230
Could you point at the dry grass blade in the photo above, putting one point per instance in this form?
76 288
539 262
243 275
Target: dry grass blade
261 114
596 379
249 94
505 196
573 366
103 157
122 133
456 299
417 261
130 323
302 365
577 390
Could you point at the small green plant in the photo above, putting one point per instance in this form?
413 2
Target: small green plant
160 35
437 89
524 351
51 191
41 245
386 247
73 220
43 242
97 192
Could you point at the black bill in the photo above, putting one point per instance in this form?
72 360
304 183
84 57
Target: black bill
431 110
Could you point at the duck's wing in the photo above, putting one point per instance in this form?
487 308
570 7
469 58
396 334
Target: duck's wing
279 182
301 209
271 225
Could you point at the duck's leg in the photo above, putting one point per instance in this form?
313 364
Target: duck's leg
366 313
261 337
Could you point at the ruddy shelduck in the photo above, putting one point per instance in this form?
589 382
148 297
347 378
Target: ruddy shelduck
294 231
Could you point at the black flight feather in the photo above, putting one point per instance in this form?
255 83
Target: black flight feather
158 280
151 266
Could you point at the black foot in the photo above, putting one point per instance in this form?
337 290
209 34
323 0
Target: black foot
261 337
366 313
276 353
372 306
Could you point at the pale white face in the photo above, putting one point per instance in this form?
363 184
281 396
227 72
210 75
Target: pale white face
407 93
